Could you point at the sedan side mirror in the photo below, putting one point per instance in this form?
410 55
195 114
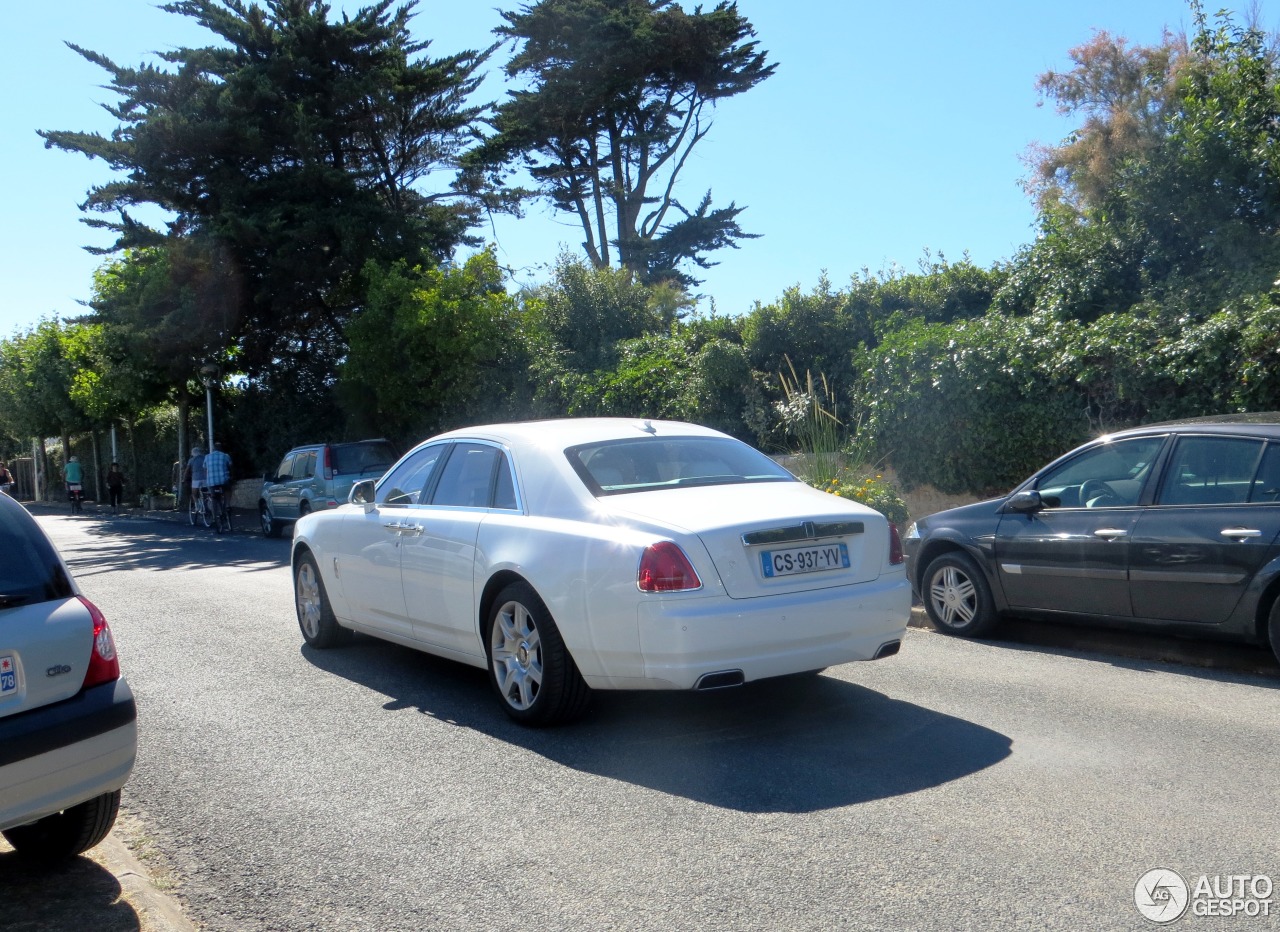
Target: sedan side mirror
362 492
1025 501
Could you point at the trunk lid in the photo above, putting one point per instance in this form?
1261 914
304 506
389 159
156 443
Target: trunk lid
770 538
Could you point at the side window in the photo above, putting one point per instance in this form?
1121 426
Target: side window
406 484
1266 487
1106 476
304 466
1211 471
504 490
467 477
286 467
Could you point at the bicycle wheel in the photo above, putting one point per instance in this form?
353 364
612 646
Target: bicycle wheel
205 512
193 508
222 516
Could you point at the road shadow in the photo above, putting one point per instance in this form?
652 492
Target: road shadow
800 744
161 545
80 894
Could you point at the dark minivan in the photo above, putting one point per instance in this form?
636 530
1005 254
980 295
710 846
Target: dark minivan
1173 527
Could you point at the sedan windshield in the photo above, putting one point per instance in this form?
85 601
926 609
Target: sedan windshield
640 465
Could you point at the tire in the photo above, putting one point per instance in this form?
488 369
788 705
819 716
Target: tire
957 597
270 527
303 510
529 667
191 509
223 517
1273 628
65 834
320 629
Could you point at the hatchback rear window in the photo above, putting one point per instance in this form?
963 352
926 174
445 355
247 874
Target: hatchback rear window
365 459
640 465
29 568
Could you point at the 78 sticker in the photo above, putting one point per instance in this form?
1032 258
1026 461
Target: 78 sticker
8 675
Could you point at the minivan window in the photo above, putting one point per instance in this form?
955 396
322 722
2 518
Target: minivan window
304 467
366 459
285 469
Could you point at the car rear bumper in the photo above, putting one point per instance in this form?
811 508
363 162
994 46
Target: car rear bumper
61 755
684 640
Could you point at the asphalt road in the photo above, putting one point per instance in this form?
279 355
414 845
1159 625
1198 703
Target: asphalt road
1000 784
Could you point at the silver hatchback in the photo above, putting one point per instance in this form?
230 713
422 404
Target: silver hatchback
316 477
68 722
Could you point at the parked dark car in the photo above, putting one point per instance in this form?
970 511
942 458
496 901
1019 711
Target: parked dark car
1173 527
318 476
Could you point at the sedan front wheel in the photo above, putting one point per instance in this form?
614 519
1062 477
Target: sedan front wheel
957 597
529 666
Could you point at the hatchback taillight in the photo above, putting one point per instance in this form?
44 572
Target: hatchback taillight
328 462
104 666
895 545
665 568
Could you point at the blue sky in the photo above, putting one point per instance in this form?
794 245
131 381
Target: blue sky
888 130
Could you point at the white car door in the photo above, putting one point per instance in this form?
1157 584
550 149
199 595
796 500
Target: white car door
438 561
369 565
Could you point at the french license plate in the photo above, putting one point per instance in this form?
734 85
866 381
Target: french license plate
804 560
8 675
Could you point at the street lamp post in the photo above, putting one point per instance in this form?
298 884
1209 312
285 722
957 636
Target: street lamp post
209 376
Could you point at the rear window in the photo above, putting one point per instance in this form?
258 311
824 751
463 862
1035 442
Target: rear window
644 464
364 459
30 571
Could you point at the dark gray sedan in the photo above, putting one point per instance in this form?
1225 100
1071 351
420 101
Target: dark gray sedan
1173 527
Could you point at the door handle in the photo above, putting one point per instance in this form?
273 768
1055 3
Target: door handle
1240 533
413 530
1110 533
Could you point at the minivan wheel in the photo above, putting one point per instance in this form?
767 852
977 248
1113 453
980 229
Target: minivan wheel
957 597
270 527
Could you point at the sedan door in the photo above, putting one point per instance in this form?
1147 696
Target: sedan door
1073 554
369 565
439 558
1215 522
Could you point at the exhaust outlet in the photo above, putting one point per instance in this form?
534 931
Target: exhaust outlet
888 649
722 680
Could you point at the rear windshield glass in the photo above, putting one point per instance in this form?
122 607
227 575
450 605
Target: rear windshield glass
640 465
365 459
30 570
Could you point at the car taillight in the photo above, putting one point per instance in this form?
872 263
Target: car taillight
665 568
895 545
104 666
328 462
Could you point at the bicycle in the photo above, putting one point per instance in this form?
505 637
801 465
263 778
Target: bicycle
200 508
221 513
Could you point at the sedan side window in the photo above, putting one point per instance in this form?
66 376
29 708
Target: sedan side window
406 484
1211 471
1266 488
468 476
1105 476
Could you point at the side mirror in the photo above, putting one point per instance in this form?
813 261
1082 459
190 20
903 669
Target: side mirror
362 492
1025 502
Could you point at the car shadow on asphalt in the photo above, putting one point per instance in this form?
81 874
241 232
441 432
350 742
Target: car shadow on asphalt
800 744
80 894
1222 661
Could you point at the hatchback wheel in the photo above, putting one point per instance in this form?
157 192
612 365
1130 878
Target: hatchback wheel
66 834
957 597
315 615
529 667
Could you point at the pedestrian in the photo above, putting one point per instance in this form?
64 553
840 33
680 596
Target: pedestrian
6 478
194 475
217 475
73 473
115 486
